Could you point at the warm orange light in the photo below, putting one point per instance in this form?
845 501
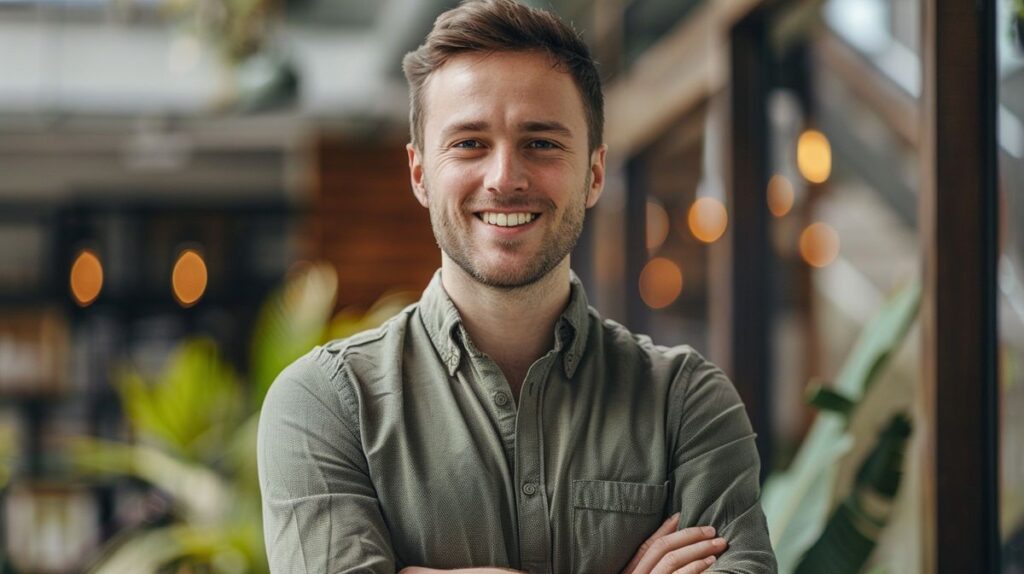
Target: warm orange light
661 282
780 195
819 244
814 156
188 280
657 225
86 278
708 219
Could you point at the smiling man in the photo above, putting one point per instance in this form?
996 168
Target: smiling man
500 423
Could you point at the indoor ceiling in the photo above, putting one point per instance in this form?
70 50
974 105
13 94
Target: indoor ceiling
107 58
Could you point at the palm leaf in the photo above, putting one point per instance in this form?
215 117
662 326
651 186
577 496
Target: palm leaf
191 407
290 323
139 551
199 494
852 531
797 501
155 549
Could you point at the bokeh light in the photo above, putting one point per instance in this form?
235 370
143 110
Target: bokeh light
188 280
657 224
707 219
819 244
86 278
661 282
814 156
780 195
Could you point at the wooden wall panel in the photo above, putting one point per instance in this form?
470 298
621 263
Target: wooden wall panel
366 221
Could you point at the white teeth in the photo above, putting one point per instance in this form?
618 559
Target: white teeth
507 219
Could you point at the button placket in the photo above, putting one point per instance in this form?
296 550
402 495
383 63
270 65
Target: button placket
534 527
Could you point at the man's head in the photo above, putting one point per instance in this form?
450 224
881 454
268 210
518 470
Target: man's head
486 26
506 150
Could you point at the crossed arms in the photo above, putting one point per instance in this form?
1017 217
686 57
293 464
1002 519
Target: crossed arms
666 551
322 512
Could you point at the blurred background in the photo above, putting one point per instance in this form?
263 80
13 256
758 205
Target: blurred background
195 192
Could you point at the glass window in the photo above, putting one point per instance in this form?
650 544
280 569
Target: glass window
1010 124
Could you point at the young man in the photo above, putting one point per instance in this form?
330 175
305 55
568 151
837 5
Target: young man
500 422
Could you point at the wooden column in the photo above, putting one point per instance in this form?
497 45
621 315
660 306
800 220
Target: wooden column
637 182
750 298
958 231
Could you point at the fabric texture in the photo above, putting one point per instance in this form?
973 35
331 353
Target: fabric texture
402 446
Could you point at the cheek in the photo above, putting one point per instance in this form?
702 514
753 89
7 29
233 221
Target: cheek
450 184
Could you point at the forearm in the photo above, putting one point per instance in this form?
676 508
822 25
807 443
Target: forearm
488 570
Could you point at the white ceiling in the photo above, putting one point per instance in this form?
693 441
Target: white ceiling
95 99
76 58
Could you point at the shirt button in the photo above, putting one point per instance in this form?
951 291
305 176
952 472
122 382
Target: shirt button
529 488
500 399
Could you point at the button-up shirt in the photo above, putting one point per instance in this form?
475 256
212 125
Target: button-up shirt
402 446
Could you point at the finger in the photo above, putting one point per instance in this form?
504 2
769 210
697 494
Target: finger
696 567
674 542
688 554
666 528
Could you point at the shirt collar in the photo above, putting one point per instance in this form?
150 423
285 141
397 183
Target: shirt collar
444 326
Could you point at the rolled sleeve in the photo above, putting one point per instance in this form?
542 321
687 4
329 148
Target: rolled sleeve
716 468
320 509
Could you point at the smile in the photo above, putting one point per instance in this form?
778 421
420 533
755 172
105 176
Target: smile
506 219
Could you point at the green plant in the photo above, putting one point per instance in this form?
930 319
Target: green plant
236 28
797 502
190 427
195 437
852 530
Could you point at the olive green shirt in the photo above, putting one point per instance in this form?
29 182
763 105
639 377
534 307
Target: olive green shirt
402 446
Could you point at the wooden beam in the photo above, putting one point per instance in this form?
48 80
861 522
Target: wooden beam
637 189
958 220
678 73
898 109
750 287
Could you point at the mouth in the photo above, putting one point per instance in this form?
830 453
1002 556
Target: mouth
502 219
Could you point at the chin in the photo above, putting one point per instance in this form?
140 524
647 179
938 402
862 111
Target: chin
507 275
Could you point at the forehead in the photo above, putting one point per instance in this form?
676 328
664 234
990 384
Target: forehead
502 88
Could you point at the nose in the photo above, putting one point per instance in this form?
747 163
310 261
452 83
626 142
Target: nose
505 171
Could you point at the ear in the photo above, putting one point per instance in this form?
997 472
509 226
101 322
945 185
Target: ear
596 175
416 174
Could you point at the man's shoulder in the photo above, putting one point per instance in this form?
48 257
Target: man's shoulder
372 347
617 338
324 365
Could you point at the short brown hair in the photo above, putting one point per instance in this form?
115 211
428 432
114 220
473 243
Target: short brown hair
503 26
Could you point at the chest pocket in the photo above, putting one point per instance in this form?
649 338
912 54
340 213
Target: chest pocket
610 520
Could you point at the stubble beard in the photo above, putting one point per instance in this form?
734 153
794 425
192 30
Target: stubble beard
558 242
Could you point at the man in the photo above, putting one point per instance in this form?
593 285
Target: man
500 422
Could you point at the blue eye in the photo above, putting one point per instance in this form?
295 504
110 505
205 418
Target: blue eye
467 144
542 144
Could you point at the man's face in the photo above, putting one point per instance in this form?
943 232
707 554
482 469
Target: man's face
504 167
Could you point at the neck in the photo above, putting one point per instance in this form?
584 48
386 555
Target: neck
514 327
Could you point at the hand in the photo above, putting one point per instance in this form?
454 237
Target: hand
687 551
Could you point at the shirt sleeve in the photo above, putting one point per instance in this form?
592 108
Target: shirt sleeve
320 509
716 468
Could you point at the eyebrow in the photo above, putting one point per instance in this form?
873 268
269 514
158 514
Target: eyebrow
464 127
547 126
528 126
